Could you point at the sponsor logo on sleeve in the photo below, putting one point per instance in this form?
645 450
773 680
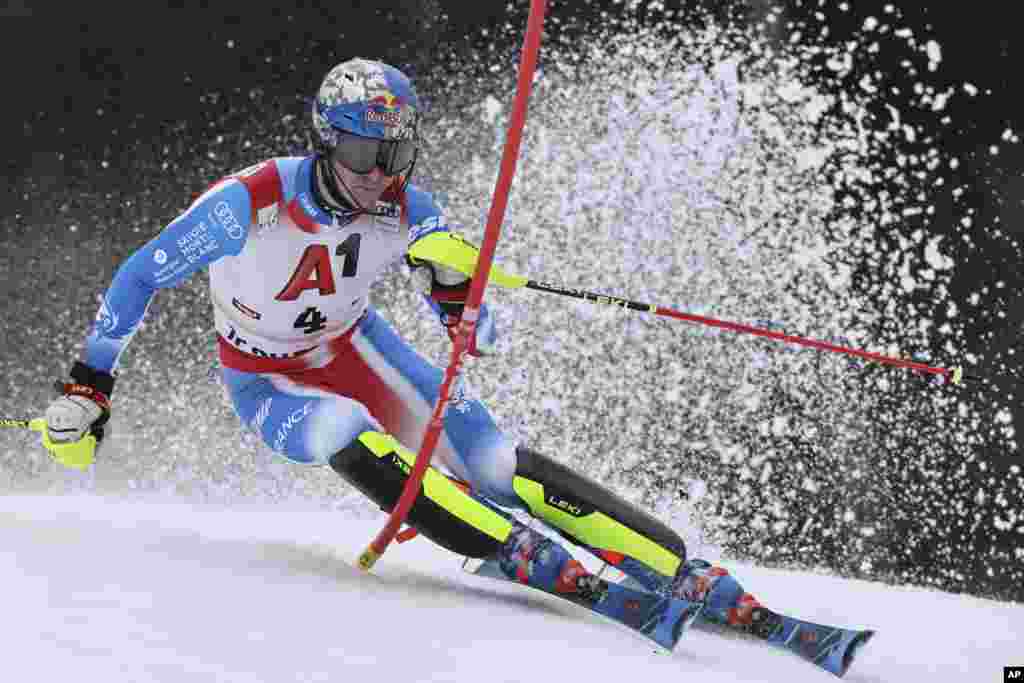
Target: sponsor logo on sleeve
197 243
108 325
160 256
223 214
170 271
427 226
106 319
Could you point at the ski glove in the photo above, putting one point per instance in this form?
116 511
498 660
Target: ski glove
445 290
75 420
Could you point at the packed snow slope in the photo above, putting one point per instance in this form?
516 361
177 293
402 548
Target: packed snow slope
111 589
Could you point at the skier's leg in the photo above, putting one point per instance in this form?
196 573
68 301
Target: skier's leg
308 424
449 515
401 388
474 449
304 415
296 419
378 465
592 516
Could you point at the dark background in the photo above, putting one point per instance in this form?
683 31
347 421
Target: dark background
95 94
87 86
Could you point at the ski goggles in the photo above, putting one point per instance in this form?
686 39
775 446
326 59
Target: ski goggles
362 155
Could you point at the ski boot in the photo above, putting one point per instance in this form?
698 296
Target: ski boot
536 560
531 558
726 603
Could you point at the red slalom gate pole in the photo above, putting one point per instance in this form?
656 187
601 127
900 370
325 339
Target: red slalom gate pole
471 311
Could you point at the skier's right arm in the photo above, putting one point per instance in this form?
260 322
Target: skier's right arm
215 225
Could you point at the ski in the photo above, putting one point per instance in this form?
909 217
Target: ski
828 647
660 618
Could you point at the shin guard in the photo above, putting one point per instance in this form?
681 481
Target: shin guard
590 515
379 466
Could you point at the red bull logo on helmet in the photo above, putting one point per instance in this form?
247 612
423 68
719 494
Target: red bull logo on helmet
387 100
392 117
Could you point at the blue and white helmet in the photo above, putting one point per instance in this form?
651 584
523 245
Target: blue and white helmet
366 98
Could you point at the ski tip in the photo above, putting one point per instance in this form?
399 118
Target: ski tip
859 641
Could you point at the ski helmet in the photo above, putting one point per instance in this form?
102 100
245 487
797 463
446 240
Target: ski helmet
374 101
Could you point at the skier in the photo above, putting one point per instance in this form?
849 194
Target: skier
292 245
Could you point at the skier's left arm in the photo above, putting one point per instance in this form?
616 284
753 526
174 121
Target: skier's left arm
444 288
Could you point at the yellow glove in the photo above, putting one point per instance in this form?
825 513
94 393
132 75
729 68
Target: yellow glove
451 250
78 454
74 422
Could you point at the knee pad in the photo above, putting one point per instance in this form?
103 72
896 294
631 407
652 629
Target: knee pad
378 466
588 514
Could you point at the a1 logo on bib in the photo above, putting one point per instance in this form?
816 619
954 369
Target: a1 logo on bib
388 216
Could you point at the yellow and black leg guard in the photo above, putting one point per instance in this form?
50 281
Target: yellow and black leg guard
379 466
590 515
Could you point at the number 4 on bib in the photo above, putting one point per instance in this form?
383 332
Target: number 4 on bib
311 320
